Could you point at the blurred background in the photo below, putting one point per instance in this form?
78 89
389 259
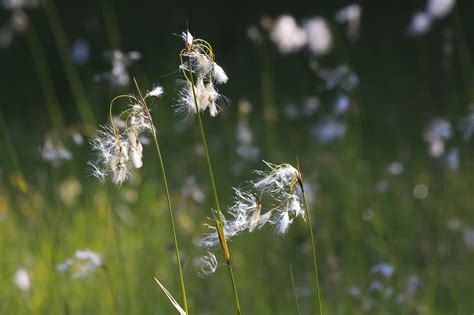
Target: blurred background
376 102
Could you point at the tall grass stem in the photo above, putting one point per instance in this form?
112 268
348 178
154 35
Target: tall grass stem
219 223
170 209
313 248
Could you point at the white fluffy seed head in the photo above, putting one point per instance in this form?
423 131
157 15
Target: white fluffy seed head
157 91
219 74
284 223
136 149
119 162
294 206
188 38
277 180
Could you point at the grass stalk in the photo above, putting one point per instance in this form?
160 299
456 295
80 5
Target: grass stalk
313 248
72 76
175 239
218 218
170 209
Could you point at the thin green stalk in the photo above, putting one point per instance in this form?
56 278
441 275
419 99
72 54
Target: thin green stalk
178 258
168 199
219 223
294 290
72 76
44 75
313 247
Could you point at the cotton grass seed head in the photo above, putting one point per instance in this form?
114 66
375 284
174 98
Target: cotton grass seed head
198 93
274 199
117 144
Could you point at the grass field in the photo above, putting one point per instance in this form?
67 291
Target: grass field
379 121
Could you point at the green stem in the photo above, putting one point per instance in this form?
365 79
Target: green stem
294 290
219 223
313 247
178 258
72 76
45 80
168 198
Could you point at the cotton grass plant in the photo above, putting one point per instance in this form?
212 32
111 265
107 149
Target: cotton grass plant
275 198
120 150
198 94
